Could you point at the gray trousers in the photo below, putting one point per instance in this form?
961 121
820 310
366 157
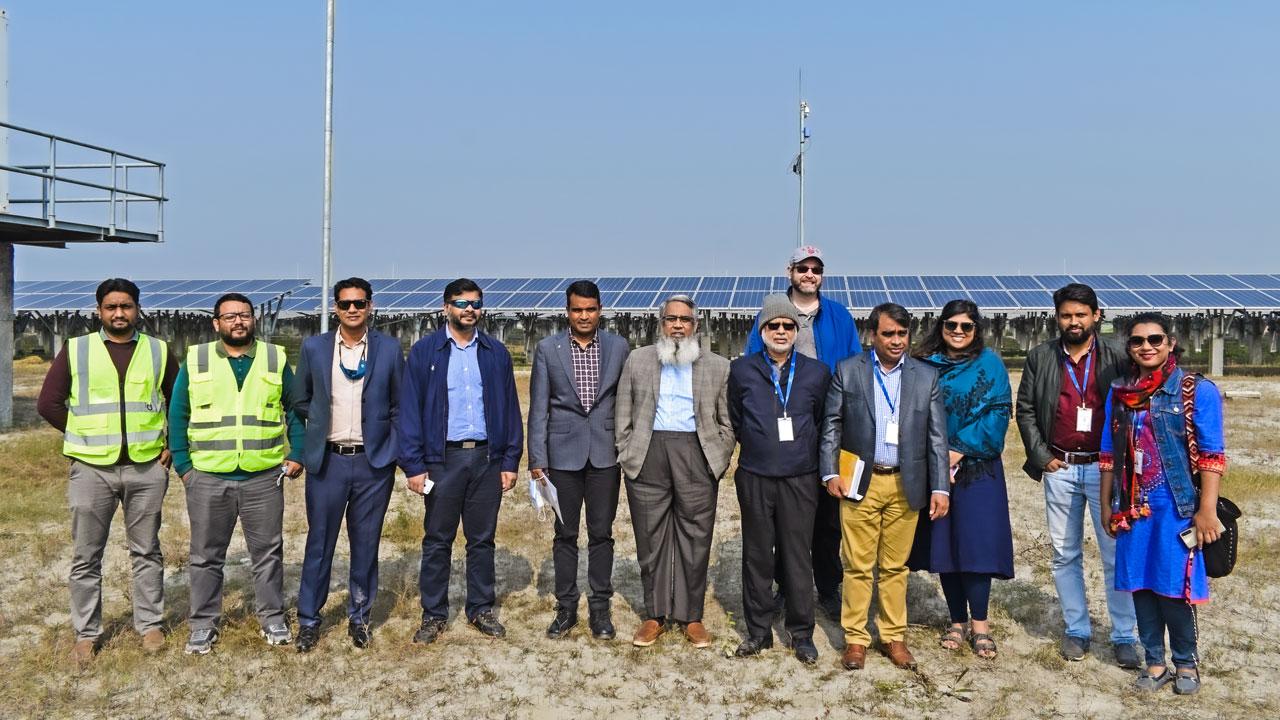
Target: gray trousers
93 493
673 511
214 505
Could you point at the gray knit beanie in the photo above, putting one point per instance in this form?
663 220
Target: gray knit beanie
778 306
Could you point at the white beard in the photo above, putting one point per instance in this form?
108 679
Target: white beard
679 352
779 347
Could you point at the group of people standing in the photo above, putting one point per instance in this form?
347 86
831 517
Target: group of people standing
854 467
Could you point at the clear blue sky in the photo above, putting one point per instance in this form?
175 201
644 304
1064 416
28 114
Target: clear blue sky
583 138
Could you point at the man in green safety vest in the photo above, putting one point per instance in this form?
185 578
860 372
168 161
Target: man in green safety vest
231 405
104 393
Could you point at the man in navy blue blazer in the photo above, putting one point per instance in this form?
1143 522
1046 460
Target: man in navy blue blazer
347 388
461 439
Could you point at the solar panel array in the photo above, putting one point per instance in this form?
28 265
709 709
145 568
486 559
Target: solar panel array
185 295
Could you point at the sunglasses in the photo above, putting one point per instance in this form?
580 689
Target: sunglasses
953 325
802 269
347 304
780 325
462 304
1137 341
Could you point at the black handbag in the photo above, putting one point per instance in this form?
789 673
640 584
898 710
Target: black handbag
1220 555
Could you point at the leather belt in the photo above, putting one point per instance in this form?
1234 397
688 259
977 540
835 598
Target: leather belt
340 449
465 444
1074 458
885 469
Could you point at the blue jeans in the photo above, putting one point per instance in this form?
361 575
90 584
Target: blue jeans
1157 613
1067 492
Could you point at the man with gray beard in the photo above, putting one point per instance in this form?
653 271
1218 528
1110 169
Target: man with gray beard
674 440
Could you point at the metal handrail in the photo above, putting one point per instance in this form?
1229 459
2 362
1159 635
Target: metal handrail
77 143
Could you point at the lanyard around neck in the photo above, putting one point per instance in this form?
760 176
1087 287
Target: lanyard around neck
893 407
776 376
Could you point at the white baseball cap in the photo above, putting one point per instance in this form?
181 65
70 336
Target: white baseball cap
804 252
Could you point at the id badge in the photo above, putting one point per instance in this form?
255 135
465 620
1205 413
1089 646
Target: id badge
891 433
1138 457
1084 419
785 433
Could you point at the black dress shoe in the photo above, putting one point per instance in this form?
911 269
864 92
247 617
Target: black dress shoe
429 630
564 621
360 634
753 646
487 623
602 625
308 636
805 650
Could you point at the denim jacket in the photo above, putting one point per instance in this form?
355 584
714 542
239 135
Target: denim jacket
1171 436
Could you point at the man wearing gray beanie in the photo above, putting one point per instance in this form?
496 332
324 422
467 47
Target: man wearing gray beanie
776 399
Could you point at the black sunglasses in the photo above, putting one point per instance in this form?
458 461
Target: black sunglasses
954 325
780 325
815 269
462 304
1156 340
347 304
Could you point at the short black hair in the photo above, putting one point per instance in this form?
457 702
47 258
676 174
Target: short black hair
583 289
230 297
893 311
353 282
933 342
1075 292
459 286
1158 318
111 285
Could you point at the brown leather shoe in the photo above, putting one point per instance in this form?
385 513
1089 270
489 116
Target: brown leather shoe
855 657
153 641
697 634
898 654
82 652
648 633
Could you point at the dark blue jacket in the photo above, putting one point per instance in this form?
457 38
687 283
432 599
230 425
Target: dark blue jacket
424 403
833 332
754 410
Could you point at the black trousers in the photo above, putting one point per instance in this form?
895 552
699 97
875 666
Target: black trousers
468 488
597 488
777 530
824 545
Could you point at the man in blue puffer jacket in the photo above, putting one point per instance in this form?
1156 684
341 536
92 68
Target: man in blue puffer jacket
827 333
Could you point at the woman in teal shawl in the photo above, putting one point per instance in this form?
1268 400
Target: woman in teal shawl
973 543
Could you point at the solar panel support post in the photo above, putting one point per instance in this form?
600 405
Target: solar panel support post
1217 329
6 334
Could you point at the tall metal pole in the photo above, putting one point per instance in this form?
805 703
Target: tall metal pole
326 253
6 249
799 166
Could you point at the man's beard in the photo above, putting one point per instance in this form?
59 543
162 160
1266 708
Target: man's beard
779 347
679 351
237 342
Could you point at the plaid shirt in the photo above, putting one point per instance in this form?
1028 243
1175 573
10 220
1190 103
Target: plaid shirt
586 370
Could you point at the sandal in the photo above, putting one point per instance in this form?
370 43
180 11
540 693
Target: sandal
984 646
1150 683
953 638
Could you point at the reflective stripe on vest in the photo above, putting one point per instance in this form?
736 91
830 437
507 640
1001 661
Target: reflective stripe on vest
236 428
94 405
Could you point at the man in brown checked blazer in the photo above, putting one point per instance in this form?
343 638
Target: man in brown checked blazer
674 439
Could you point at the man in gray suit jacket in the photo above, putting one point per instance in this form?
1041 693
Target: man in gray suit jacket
886 408
347 389
571 397
674 439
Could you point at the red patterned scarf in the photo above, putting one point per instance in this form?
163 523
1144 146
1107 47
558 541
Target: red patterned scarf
1137 396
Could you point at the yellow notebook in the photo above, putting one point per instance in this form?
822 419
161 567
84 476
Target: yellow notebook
851 467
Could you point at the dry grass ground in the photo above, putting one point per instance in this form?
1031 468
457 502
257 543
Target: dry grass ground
526 675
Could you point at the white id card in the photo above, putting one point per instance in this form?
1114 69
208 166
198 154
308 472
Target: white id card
785 433
1084 419
1137 462
891 433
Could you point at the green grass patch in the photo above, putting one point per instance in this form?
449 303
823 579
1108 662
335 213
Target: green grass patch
34 482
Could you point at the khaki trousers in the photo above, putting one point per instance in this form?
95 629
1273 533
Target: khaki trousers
876 533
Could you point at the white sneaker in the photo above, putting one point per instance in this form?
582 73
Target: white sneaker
277 634
201 641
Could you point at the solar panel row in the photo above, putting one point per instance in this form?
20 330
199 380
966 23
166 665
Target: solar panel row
190 295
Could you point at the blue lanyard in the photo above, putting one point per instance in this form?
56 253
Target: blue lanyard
791 379
893 408
1071 372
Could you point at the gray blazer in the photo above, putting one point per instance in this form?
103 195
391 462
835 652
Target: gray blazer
849 423
562 434
638 405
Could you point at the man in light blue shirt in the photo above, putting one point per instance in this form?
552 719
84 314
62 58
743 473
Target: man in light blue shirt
466 391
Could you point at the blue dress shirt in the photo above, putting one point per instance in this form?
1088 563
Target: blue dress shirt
887 454
466 392
675 399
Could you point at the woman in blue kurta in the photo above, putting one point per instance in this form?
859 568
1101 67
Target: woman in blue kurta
1146 460
973 543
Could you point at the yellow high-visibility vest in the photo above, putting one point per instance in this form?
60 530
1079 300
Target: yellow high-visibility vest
236 427
95 404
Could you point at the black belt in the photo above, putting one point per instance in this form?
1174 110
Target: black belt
1074 458
885 469
465 444
345 449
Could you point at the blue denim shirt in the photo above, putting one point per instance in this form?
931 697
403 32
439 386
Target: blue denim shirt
466 391
1171 436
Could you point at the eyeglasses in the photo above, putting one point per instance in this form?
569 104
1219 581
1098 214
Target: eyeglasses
347 304
463 304
953 325
673 319
1155 340
802 269
780 325
232 317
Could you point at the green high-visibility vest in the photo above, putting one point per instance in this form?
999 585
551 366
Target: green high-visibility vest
234 427
95 404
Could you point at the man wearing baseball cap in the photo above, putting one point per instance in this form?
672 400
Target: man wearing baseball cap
826 332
